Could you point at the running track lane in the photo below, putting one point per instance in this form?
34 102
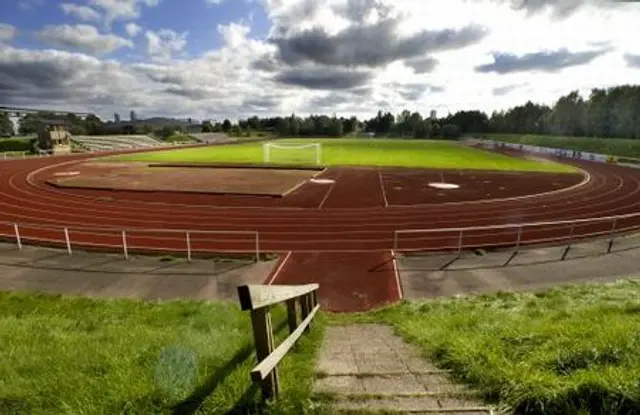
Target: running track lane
612 190
349 281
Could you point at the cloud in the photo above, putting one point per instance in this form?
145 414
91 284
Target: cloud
7 32
83 37
132 29
234 33
422 65
84 13
163 44
323 78
545 61
559 9
370 45
505 89
122 9
212 2
633 61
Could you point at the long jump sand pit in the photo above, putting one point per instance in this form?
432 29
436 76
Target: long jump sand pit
233 180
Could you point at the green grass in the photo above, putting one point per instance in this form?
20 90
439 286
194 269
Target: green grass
358 152
610 146
67 355
570 350
556 352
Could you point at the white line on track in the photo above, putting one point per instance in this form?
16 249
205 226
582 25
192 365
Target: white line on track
275 274
384 193
326 196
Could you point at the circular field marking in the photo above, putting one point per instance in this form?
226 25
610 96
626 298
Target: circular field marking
66 173
323 181
444 186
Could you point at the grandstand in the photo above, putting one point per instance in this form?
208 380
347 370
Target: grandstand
211 137
115 142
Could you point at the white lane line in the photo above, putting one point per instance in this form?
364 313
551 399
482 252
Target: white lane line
384 193
331 186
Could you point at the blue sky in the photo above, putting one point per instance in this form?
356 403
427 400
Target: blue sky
215 59
197 17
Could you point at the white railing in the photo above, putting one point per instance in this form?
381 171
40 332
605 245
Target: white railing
129 240
516 234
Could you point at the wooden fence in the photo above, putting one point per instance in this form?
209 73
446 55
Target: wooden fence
258 299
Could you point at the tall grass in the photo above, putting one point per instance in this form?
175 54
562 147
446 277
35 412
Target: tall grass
564 351
610 146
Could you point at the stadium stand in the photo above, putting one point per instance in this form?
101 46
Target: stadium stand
211 137
113 142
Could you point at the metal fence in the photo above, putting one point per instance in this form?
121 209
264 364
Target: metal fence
127 241
564 232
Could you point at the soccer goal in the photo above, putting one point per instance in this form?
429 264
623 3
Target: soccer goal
292 153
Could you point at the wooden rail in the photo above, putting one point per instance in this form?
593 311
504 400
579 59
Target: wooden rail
258 299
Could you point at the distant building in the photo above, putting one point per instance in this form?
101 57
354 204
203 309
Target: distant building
133 116
54 136
433 114
116 118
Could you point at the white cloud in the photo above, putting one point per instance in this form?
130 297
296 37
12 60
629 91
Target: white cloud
84 37
213 1
7 32
122 9
85 13
234 33
163 44
28 5
133 29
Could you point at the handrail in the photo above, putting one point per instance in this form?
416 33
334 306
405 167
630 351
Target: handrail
258 299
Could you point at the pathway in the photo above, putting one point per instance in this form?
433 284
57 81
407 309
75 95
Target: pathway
367 367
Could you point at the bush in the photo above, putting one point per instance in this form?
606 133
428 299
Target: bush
450 131
15 144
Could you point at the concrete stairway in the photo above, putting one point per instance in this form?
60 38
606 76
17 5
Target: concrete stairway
368 368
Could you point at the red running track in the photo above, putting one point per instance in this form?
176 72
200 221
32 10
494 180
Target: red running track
340 234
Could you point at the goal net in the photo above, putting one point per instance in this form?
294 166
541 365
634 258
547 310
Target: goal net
290 153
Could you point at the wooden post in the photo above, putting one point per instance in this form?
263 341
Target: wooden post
305 308
566 250
263 335
292 315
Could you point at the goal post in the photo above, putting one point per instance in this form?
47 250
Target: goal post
292 153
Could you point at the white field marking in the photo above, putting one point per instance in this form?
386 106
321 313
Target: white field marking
444 186
326 196
322 181
587 179
275 274
384 193
29 180
397 274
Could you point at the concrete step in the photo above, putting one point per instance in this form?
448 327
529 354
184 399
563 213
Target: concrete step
413 404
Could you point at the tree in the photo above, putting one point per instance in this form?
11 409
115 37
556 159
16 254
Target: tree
6 126
450 131
226 126
207 127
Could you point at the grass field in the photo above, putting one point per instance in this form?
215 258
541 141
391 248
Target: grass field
65 355
610 146
554 352
408 153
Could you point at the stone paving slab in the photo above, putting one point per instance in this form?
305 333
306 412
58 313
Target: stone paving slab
367 367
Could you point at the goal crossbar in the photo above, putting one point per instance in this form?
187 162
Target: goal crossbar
266 148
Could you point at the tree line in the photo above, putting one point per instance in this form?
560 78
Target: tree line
611 112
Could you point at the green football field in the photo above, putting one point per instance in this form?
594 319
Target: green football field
353 152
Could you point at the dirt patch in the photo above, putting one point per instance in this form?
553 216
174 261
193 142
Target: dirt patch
411 187
221 180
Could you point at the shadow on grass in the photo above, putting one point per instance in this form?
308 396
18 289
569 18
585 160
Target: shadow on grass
246 404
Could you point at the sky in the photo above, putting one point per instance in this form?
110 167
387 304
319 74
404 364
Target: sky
216 59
